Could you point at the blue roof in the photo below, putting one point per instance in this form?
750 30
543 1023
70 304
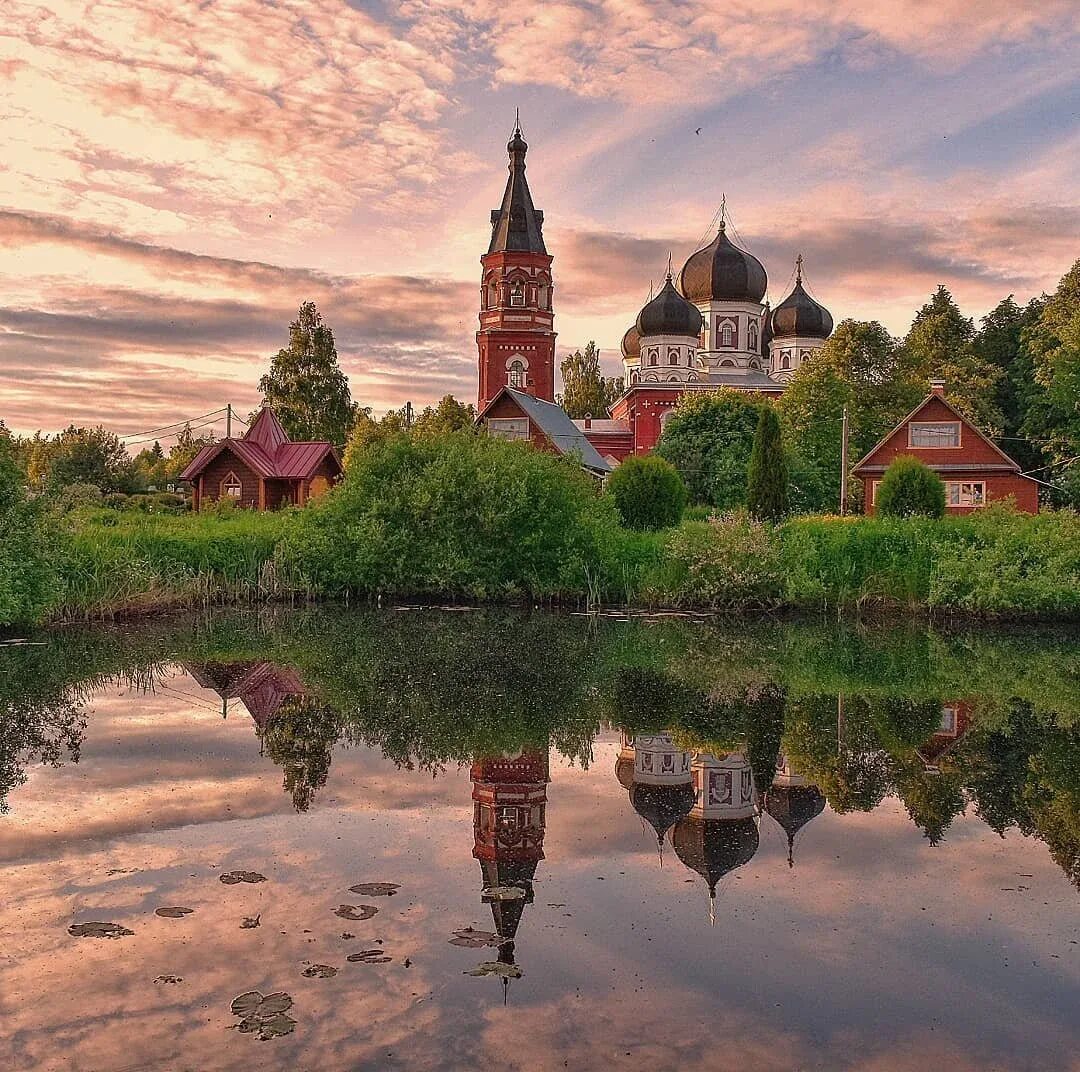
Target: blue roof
556 424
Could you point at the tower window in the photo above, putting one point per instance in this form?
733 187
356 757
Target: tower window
516 376
753 336
673 356
517 294
727 335
785 359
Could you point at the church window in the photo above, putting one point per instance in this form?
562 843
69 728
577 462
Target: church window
231 488
673 356
753 335
785 359
516 375
653 357
727 335
517 294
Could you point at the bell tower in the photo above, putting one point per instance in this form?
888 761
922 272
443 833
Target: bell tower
516 340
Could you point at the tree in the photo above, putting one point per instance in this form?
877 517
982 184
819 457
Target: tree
767 473
940 344
150 466
184 450
861 367
587 393
910 488
368 432
449 415
305 387
708 438
648 492
88 456
27 577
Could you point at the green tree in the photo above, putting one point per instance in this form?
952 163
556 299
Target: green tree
88 456
305 386
368 432
586 392
910 488
150 467
1053 414
27 577
860 367
708 438
940 344
767 473
648 492
449 415
183 451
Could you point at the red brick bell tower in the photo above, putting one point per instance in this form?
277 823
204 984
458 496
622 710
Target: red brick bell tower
516 340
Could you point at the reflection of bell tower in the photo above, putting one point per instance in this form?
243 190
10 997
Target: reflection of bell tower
792 801
509 813
656 774
720 833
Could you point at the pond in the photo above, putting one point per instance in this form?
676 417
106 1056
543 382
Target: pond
445 838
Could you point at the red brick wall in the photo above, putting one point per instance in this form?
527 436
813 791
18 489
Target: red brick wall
507 407
998 486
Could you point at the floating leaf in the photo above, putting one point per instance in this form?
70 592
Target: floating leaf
249 922
503 893
247 1004
357 912
473 939
231 878
275 1003
98 930
369 956
276 1026
173 913
319 971
169 979
375 889
264 1016
496 967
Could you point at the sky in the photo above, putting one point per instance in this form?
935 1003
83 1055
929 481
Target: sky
176 179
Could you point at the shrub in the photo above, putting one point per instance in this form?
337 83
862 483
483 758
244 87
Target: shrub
908 489
27 579
767 474
648 492
76 497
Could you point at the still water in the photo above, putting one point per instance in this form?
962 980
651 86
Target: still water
576 844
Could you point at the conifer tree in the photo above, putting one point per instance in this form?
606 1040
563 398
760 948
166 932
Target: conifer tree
767 474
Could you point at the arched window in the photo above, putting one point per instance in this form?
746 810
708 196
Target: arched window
785 359
231 488
727 335
752 334
653 357
516 374
517 294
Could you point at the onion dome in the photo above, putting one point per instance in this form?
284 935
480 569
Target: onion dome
662 806
799 315
793 807
669 313
631 344
624 769
723 272
713 847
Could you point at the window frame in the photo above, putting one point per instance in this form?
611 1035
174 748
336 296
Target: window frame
231 480
516 375
500 428
977 500
912 425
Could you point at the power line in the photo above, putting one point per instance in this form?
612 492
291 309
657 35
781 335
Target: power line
175 424
172 435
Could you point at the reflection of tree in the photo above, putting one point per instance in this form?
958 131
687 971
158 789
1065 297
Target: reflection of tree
932 799
49 731
300 739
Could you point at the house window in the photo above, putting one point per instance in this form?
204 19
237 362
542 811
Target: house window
516 374
965 493
231 488
517 294
873 491
934 434
508 427
948 721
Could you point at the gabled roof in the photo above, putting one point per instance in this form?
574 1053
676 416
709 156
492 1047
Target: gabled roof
267 450
932 397
555 423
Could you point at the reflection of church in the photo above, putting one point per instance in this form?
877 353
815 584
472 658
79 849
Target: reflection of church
509 815
709 803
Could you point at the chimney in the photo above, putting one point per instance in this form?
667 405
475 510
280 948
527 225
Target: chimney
588 420
937 387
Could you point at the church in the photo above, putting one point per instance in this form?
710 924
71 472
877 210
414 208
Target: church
710 326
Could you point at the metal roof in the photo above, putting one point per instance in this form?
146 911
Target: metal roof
516 224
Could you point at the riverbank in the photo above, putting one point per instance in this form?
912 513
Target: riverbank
994 565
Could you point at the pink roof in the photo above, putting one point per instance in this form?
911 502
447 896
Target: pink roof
267 451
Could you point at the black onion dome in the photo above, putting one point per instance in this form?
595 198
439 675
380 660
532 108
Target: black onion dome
669 313
662 806
713 847
723 272
798 314
631 344
794 806
624 771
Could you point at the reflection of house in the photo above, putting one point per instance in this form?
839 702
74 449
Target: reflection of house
262 687
264 469
656 773
792 801
720 833
974 469
955 721
509 815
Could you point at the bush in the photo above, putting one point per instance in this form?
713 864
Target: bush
457 514
648 492
27 578
910 489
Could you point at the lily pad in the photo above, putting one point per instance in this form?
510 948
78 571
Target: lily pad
98 930
473 939
357 912
231 878
264 1016
276 1026
503 893
319 971
375 889
250 922
169 979
173 913
496 967
369 956
247 1004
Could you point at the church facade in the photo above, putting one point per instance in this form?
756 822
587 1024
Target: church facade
709 327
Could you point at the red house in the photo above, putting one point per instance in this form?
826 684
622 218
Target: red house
264 469
975 471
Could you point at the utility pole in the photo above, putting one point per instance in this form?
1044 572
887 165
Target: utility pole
228 420
408 416
843 462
